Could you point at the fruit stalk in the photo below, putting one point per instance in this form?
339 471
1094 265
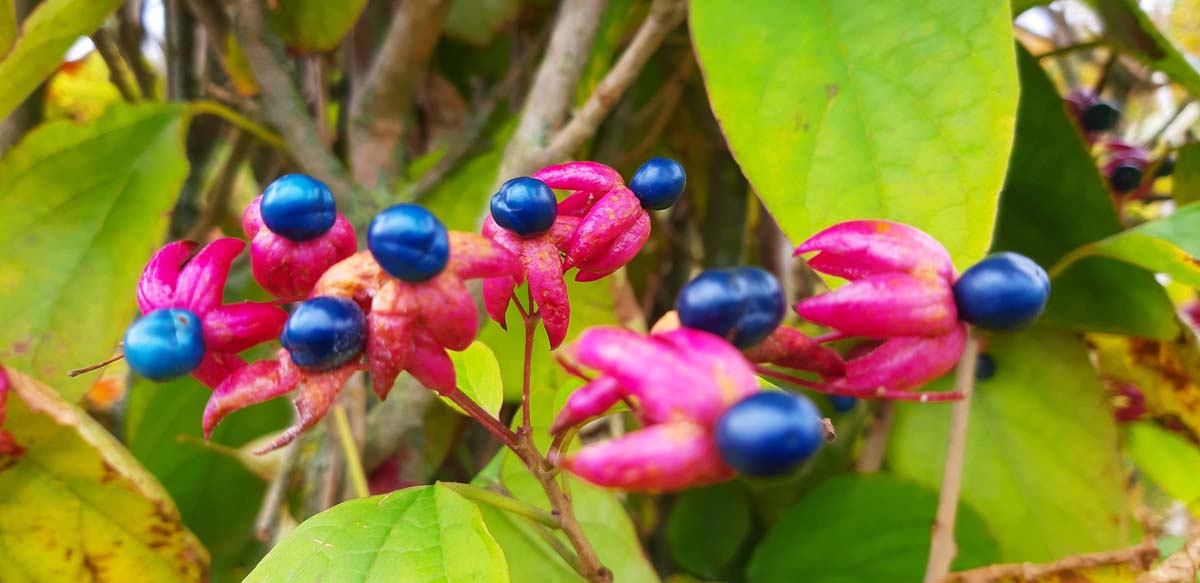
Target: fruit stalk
942 547
354 467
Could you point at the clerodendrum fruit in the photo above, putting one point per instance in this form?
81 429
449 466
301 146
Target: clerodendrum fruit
985 367
742 304
324 333
165 344
1005 291
1125 177
842 403
1100 117
298 207
409 242
658 183
525 206
769 433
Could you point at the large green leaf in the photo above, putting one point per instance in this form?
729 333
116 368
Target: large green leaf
1133 33
1054 201
1168 245
1167 459
419 534
1042 466
862 529
857 109
700 512
82 210
78 507
314 26
478 377
1185 182
42 42
217 496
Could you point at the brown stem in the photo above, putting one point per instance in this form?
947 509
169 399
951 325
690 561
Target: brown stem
554 85
942 548
875 445
379 110
1139 557
98 365
1180 567
118 70
286 111
489 421
664 16
268 513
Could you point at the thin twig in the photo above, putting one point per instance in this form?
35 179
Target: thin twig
875 445
238 120
98 365
1180 567
489 421
554 85
505 503
1138 557
118 70
1068 49
268 513
287 111
379 110
942 548
1105 72
664 16
341 423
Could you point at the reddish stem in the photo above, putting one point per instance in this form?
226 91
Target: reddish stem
877 393
489 421
831 337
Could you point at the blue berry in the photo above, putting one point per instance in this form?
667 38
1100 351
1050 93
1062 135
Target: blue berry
985 367
409 242
1166 167
658 183
1005 291
165 344
1100 117
742 304
298 207
842 403
769 433
525 206
1125 177
324 333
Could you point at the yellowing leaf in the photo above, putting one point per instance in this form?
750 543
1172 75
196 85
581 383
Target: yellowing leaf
76 506
1163 370
81 90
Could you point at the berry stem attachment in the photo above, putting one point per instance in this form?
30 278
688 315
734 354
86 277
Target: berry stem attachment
942 548
354 467
99 365
505 503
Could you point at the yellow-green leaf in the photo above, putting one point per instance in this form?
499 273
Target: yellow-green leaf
83 208
1167 459
8 26
76 506
314 26
1167 245
478 377
415 535
42 42
853 109
1185 182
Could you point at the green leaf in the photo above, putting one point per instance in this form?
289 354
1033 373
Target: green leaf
42 42
217 496
529 556
1167 459
419 534
83 209
1054 201
1185 182
863 529
477 22
708 527
8 26
78 507
478 377
1133 33
857 109
314 26
1042 467
1166 373
1166 245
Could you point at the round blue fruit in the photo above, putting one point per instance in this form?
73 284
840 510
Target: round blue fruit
165 344
741 304
298 207
985 367
1005 291
658 183
409 242
769 433
1100 117
525 206
324 333
842 403
1167 167
1125 177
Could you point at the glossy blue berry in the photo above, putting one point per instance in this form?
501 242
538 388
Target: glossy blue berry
742 304
769 433
298 207
985 367
165 344
1125 177
324 333
1005 291
658 183
409 242
842 403
525 206
1167 167
1100 117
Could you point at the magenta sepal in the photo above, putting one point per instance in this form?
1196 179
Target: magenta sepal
286 268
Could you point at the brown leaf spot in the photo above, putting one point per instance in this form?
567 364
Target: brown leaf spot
831 91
